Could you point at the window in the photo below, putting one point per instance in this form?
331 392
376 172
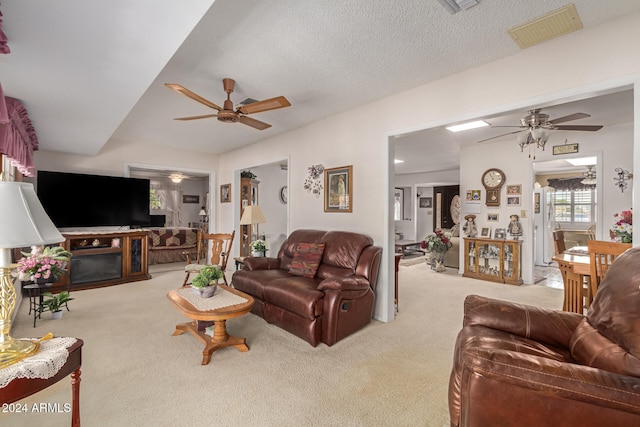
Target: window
154 199
575 207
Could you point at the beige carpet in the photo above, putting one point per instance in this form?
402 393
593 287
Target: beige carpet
135 373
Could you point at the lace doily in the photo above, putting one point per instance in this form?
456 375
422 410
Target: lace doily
44 364
222 298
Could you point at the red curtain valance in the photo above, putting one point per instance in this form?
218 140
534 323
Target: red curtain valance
4 43
18 138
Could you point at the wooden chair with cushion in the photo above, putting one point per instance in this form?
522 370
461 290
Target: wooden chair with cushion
558 242
220 250
602 254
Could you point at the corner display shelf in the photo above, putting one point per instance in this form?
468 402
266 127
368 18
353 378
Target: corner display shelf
494 260
106 258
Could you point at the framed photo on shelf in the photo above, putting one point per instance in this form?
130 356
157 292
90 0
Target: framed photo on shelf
485 232
514 189
426 202
500 233
338 189
225 193
492 217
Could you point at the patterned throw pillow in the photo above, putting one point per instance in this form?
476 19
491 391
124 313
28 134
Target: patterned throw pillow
306 259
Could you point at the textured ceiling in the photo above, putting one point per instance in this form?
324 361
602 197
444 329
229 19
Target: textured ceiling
91 71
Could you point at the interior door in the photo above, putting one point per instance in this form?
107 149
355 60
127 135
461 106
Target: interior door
444 197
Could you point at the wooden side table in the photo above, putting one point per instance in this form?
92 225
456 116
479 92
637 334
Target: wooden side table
23 387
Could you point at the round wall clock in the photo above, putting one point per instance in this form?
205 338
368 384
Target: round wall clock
493 180
284 194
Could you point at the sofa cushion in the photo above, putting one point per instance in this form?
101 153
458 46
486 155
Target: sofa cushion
306 259
341 253
608 338
295 294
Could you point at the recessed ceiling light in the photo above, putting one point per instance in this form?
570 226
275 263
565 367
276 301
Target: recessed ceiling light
467 126
398 161
583 161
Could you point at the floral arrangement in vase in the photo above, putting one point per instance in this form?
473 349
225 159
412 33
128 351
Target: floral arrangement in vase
43 263
623 226
439 241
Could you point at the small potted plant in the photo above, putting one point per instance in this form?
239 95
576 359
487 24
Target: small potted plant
258 248
54 303
206 282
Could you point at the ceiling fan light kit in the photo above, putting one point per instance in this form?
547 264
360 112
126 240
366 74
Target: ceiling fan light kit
535 129
589 176
227 114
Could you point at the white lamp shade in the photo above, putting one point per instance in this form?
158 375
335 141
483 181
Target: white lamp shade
23 220
202 212
252 215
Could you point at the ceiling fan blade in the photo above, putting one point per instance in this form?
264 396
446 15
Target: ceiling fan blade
590 128
498 136
570 117
206 116
253 123
266 105
186 92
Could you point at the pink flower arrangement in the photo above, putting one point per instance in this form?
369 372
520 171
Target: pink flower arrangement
47 263
623 226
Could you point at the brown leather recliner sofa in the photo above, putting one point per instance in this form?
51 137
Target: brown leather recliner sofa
323 305
518 365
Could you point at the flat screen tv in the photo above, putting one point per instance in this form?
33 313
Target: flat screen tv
81 200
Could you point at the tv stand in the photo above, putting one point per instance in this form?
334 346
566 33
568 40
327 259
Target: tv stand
105 258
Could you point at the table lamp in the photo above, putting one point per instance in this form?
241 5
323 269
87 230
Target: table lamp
24 223
252 215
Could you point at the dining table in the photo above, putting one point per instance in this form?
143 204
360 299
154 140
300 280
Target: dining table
574 265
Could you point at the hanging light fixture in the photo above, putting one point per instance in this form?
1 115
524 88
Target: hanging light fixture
622 178
177 177
589 176
536 137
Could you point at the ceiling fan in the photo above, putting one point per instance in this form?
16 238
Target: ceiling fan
537 125
227 113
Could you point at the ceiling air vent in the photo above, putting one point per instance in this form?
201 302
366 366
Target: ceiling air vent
455 6
554 24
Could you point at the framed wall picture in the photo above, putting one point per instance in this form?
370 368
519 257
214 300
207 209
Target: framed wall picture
338 189
426 202
485 232
513 200
536 203
492 217
225 193
514 189
190 198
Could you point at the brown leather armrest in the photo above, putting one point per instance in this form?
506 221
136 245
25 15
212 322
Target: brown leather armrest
569 380
261 263
350 283
540 324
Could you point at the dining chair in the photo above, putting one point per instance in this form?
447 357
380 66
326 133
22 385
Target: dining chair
591 232
220 250
601 255
558 242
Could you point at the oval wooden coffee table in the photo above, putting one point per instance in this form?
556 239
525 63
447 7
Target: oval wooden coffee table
227 303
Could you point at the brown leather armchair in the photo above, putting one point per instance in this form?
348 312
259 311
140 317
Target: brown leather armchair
518 365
